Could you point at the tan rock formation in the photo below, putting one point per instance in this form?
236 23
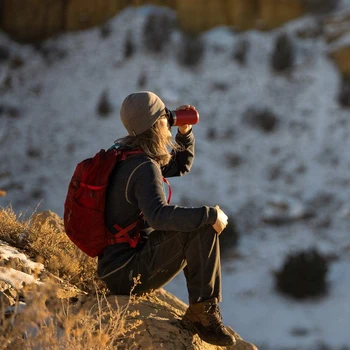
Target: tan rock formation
81 14
199 15
341 58
32 20
337 33
160 314
33 298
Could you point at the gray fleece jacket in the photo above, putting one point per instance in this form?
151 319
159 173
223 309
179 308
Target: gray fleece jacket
136 185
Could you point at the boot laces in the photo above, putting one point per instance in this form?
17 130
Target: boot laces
215 315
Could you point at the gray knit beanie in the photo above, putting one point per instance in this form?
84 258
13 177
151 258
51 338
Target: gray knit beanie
140 111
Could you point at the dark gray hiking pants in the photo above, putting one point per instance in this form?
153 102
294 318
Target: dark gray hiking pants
164 255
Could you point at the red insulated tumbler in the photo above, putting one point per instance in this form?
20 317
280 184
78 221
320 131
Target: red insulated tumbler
183 116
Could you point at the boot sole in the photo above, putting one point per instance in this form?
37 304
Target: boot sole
190 326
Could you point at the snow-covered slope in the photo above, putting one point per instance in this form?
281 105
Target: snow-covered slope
49 122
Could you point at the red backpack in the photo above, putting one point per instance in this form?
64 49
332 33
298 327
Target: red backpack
84 208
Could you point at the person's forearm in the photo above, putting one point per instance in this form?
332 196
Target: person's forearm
182 161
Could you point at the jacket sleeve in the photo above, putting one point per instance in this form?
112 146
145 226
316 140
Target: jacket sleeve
181 161
145 190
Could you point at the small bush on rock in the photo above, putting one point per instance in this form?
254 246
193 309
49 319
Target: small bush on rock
157 31
51 52
10 111
104 107
212 133
263 119
233 160
283 54
344 94
191 52
142 80
303 275
129 48
4 53
105 31
240 52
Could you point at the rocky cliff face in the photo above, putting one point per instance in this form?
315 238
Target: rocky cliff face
33 20
40 310
197 16
337 29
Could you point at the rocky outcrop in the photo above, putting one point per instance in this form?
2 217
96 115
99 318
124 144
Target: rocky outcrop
33 20
337 33
200 15
160 314
341 56
40 305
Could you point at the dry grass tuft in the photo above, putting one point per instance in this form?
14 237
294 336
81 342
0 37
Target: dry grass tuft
51 323
71 309
44 244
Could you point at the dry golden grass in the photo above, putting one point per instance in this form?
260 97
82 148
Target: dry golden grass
44 244
51 323
52 319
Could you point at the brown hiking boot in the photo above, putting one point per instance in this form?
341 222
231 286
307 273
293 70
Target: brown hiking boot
205 318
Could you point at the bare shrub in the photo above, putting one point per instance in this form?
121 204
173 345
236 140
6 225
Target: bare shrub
51 320
7 84
59 255
16 62
33 152
344 93
157 31
220 86
283 54
263 119
142 80
234 160
104 107
212 133
4 53
321 6
10 111
37 193
51 52
240 52
105 30
191 52
56 314
129 48
303 275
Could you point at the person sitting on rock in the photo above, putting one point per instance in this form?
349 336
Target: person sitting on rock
173 238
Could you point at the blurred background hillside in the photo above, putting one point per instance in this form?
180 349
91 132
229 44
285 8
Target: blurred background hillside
271 82
36 20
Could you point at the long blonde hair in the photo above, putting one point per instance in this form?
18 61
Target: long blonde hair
154 142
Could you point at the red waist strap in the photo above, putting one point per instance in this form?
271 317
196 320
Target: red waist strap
123 233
